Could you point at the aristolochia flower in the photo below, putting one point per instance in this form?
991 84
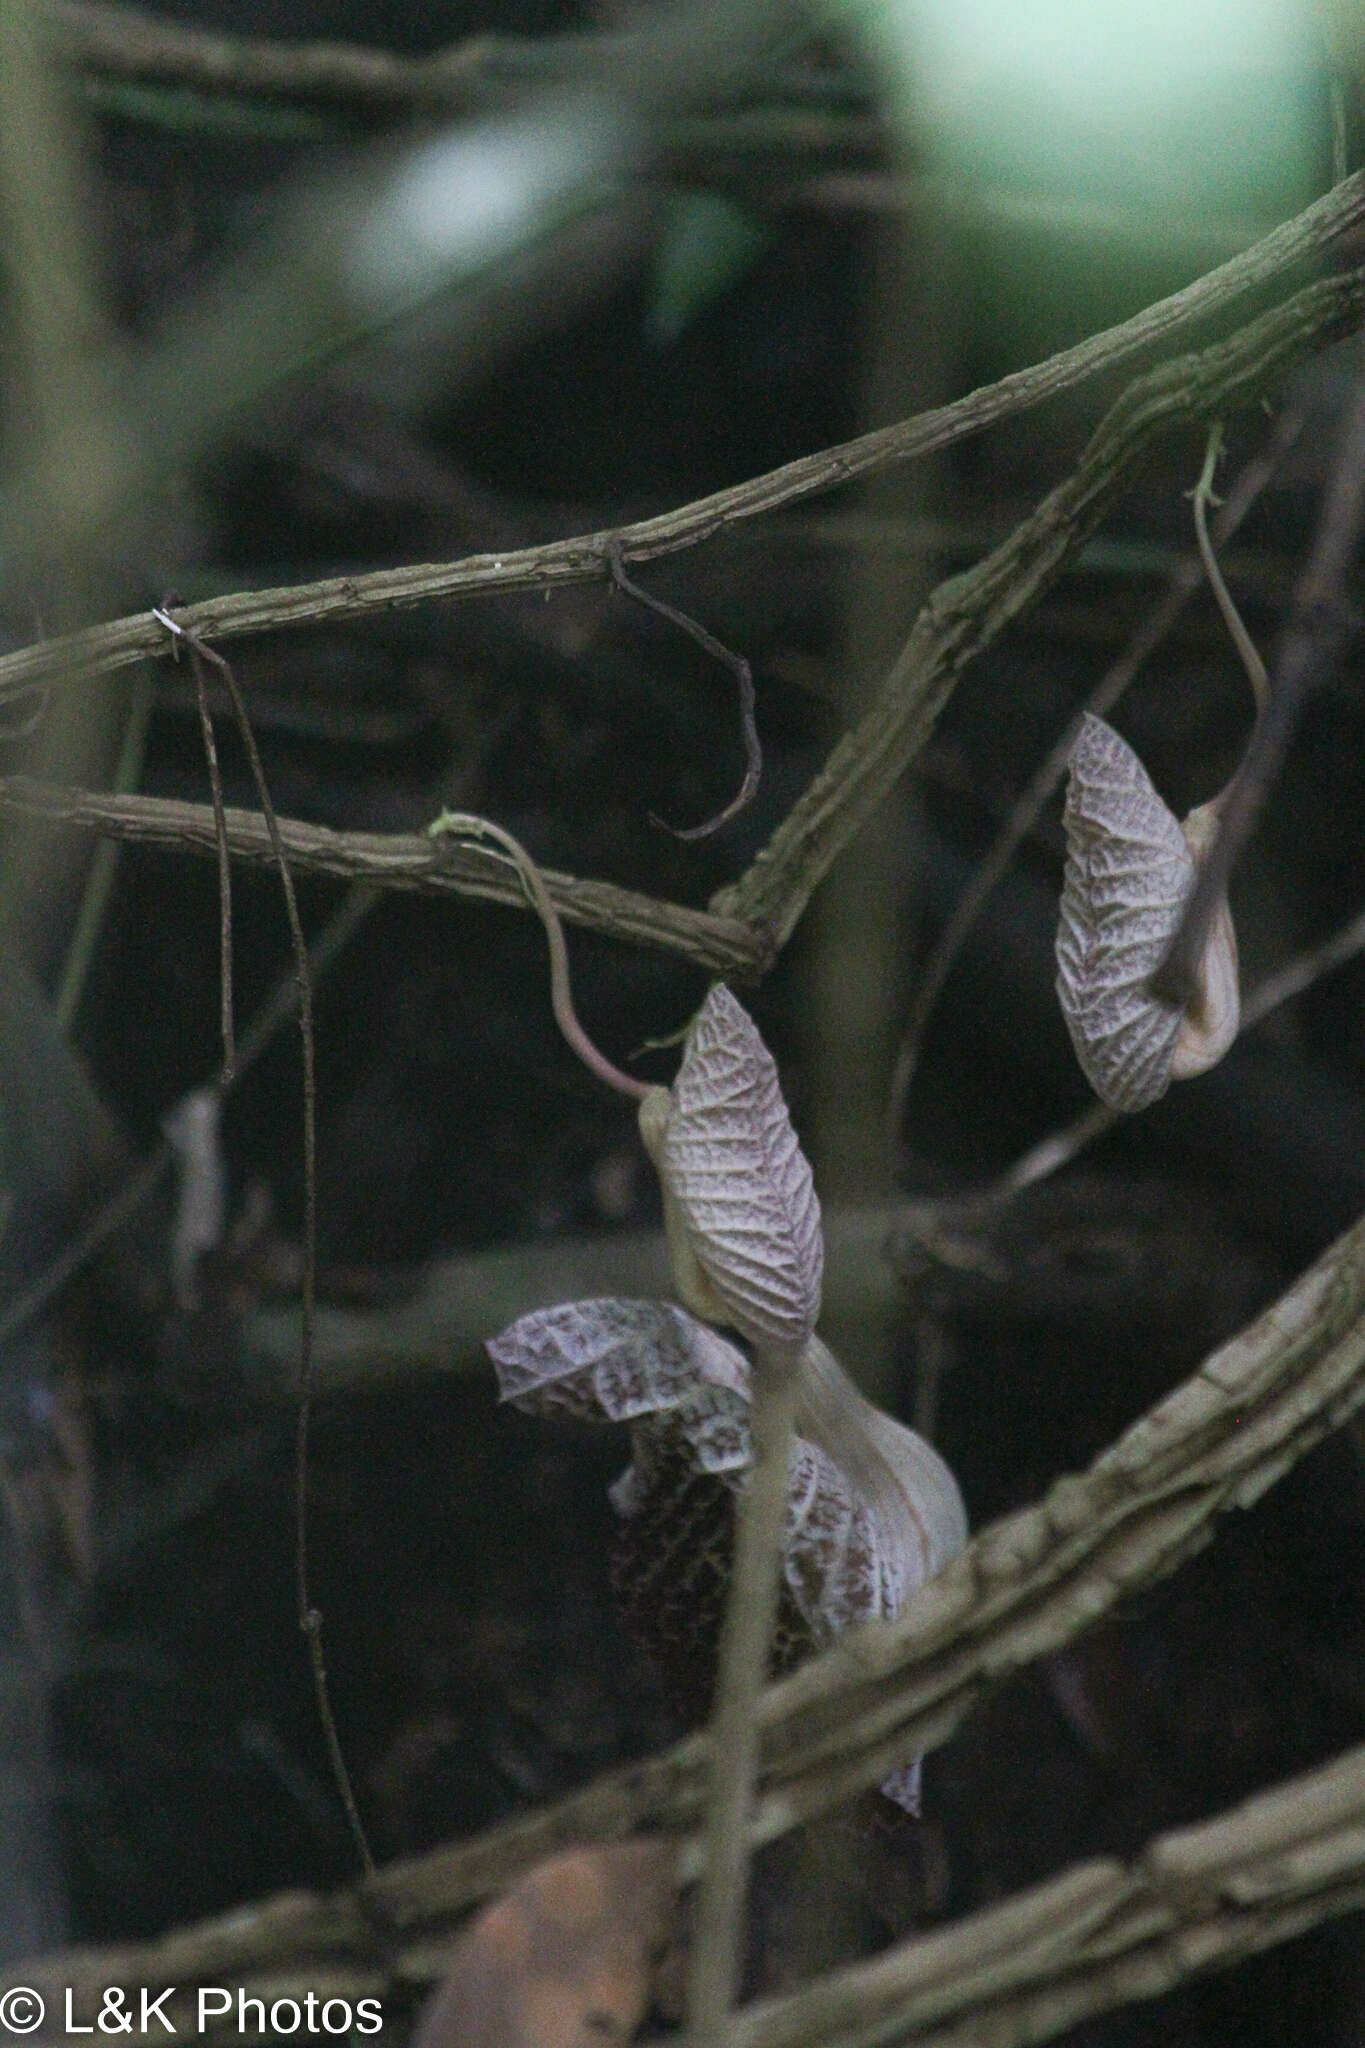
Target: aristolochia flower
1129 868
684 1392
872 1511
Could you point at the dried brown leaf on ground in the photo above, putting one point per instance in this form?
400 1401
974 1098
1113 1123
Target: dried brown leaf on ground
566 1959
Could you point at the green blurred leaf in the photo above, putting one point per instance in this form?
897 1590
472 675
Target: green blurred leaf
708 245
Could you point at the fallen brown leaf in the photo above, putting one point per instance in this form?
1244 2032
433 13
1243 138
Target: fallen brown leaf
565 1960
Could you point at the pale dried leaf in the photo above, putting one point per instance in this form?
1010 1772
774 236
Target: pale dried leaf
193 1133
1128 871
731 1162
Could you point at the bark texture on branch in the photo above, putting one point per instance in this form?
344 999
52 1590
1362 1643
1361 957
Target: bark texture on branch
399 860
750 919
1102 1934
586 558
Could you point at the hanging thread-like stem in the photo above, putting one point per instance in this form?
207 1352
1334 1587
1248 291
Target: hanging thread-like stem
1232 618
744 676
309 1617
465 825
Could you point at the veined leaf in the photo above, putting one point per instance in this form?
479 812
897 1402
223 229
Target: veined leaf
1129 869
732 1164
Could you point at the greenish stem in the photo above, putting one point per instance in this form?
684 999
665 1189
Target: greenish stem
745 1637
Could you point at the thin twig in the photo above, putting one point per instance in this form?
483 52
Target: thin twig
739 667
409 861
750 1611
281 1004
1246 647
464 825
309 1616
584 559
1321 623
1055 1151
1185 580
201 697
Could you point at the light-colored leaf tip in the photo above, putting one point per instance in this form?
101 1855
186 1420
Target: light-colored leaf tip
730 1161
1129 868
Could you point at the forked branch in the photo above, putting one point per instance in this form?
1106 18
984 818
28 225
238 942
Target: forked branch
750 920
967 612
